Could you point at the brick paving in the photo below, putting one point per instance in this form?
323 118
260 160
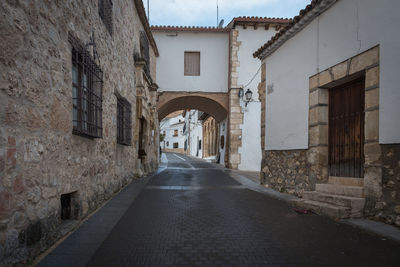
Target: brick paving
195 214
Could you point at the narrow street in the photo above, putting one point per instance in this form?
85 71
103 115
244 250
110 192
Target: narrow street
194 214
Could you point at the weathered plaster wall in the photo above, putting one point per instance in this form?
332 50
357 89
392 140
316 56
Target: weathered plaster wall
40 158
213 48
250 40
345 30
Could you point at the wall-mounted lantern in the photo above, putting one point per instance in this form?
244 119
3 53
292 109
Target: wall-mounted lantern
247 96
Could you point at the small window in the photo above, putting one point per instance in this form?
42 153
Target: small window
199 144
167 144
192 64
176 145
87 94
175 132
69 206
124 121
105 12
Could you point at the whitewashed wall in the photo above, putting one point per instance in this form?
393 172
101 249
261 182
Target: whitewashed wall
348 28
169 125
196 133
251 40
214 52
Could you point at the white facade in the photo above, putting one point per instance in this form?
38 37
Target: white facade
214 64
169 127
193 132
251 40
344 30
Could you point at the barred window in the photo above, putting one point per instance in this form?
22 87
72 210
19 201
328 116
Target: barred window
105 12
87 98
124 121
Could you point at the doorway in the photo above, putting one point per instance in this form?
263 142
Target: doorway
346 129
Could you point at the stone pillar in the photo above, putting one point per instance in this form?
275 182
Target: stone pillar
235 113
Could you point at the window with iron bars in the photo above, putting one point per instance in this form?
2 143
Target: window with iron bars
124 122
105 12
87 95
144 50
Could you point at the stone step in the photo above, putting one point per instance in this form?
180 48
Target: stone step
356 204
344 190
351 181
322 208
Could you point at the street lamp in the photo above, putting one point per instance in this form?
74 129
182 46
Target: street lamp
247 96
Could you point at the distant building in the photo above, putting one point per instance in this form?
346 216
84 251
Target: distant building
193 133
171 128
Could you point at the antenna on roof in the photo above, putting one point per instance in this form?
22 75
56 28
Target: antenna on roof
217 12
221 23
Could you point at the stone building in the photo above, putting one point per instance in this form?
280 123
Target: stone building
210 137
77 114
330 108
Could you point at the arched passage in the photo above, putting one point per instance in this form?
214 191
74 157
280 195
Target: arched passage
214 104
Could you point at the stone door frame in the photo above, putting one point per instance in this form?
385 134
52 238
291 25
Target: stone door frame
364 64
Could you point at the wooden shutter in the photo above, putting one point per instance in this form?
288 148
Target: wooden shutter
192 63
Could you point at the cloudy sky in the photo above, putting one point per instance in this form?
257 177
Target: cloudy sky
204 12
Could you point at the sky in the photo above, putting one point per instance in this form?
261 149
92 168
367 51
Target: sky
204 12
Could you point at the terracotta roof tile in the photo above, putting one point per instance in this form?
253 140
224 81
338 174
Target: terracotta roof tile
188 28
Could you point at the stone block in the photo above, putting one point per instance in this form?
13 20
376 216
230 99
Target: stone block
362 61
373 182
11 141
340 70
313 82
372 98
18 185
11 156
372 77
372 125
318 114
372 152
4 204
325 77
318 135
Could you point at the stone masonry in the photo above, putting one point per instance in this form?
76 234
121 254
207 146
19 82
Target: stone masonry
235 111
40 158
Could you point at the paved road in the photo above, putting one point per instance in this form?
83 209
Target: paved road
195 214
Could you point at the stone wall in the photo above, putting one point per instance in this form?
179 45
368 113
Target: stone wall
40 158
390 205
286 171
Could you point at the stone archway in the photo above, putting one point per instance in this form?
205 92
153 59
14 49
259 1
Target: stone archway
214 104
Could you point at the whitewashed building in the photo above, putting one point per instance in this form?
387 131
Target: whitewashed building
206 69
331 108
171 128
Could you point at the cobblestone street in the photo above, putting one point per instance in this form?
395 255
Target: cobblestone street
194 214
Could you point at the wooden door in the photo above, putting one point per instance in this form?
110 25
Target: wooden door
346 130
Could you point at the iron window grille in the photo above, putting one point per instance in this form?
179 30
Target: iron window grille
87 95
124 122
144 50
105 12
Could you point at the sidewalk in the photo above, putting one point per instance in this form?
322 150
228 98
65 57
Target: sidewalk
251 180
77 248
